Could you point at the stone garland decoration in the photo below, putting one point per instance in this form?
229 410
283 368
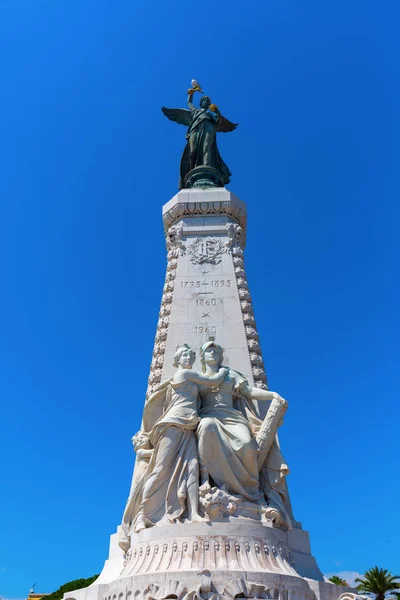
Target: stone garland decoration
236 248
175 248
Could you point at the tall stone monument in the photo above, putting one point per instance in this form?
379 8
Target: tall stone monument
209 514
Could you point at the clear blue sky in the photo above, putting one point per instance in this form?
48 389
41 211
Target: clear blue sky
87 161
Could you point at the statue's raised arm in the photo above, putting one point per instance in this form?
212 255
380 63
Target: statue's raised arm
201 162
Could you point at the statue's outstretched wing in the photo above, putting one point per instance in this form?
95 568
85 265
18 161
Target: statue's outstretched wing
224 125
180 115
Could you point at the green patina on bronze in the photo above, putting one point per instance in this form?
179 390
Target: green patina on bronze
201 162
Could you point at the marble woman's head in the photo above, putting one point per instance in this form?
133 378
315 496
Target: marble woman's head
184 357
211 353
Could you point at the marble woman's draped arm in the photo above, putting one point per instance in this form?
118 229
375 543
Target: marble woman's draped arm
274 469
199 379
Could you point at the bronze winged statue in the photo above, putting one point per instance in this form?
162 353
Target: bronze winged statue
201 162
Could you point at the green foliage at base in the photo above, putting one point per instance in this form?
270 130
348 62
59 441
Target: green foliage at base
379 582
77 584
338 581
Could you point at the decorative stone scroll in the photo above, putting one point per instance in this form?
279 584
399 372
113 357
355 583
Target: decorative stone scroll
270 424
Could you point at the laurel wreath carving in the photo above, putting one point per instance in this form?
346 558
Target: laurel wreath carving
215 249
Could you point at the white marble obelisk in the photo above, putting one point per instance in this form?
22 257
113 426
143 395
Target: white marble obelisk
206 292
237 554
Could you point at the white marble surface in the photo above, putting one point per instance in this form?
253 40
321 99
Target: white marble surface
206 294
206 303
204 202
213 560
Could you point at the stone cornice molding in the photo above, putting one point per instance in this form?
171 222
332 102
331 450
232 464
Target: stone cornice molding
216 201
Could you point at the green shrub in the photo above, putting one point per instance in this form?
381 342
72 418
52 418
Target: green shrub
77 584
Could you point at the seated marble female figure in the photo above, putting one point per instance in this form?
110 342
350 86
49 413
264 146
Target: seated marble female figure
171 482
226 433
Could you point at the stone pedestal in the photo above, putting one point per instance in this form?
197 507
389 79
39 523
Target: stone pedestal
225 559
239 554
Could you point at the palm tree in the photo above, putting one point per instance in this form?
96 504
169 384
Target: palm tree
379 582
338 581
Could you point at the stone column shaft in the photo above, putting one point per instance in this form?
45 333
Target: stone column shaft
206 292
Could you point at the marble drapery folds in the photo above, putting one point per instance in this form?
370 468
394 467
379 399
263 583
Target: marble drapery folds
230 433
175 439
160 484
